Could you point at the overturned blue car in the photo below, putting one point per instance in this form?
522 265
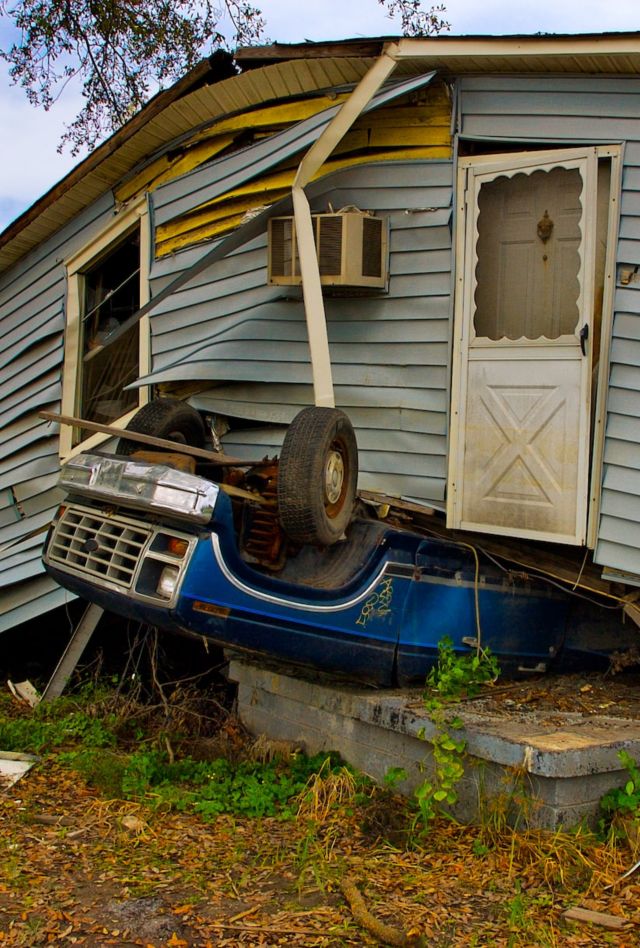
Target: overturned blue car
282 562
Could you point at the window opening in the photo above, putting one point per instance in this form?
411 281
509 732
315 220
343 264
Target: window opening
110 294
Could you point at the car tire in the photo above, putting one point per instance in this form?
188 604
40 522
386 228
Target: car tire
167 418
317 476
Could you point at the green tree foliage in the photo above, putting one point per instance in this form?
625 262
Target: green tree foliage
119 50
123 50
414 21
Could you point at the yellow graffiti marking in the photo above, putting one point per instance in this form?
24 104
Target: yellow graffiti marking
378 604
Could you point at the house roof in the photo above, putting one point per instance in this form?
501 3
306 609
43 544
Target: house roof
287 70
195 101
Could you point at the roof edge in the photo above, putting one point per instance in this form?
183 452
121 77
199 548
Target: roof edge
251 57
197 76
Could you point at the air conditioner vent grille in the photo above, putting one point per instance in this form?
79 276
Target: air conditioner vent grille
371 247
330 240
281 246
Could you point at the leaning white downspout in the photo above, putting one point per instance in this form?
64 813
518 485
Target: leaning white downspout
309 269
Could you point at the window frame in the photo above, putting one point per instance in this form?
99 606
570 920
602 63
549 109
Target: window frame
75 267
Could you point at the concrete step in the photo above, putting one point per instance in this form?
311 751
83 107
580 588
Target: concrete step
545 770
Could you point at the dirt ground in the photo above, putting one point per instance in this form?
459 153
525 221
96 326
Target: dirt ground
78 869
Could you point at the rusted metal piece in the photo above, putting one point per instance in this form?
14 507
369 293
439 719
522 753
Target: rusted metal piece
263 538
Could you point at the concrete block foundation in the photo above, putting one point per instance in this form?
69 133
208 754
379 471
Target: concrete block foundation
547 772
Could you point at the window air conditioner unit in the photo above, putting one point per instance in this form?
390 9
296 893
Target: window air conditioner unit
351 248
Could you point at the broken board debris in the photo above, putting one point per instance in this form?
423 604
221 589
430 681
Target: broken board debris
13 766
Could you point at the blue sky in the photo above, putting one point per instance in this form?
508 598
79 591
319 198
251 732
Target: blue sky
31 163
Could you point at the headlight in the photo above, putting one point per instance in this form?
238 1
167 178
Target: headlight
167 582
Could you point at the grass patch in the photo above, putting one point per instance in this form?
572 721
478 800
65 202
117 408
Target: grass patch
48 727
206 787
133 750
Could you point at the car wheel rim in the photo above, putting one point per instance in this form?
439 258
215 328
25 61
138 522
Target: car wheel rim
334 475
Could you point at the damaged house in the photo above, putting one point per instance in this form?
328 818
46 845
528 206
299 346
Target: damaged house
440 238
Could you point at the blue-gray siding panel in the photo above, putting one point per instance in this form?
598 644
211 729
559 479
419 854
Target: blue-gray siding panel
583 110
279 404
31 599
230 327
32 300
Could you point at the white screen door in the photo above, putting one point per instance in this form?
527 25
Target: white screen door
521 388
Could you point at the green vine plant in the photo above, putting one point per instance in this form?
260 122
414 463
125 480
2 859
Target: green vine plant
453 677
624 801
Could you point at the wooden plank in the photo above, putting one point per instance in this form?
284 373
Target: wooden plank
182 462
276 52
73 653
212 456
385 500
612 922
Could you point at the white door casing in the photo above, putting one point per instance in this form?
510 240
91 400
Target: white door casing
519 445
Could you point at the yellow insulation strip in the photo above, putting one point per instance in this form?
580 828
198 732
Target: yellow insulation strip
285 114
197 234
406 137
211 220
436 108
264 185
395 133
211 214
212 140
164 169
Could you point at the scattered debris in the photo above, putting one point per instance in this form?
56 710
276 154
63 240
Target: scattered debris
24 691
49 819
626 659
143 918
134 824
626 875
264 750
104 870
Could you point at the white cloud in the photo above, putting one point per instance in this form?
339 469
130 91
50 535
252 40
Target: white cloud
543 16
30 161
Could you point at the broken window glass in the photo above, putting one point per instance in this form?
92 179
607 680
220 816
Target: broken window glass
110 295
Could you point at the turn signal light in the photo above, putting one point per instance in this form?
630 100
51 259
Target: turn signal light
177 547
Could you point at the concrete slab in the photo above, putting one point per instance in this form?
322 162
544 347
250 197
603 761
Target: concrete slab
546 770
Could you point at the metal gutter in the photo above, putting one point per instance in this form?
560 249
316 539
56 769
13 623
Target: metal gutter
309 267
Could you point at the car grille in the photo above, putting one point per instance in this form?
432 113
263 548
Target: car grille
96 545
